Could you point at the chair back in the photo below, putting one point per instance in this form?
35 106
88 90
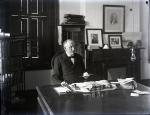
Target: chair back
53 59
53 81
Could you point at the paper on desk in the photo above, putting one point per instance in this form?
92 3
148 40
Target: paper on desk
134 94
61 90
64 90
141 92
83 90
125 81
87 86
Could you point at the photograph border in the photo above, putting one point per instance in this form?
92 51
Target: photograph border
90 31
114 25
117 46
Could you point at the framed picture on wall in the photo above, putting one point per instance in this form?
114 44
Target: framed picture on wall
115 41
113 18
94 37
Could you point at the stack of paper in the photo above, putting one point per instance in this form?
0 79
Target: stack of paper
125 81
85 87
62 90
138 92
77 88
141 92
70 88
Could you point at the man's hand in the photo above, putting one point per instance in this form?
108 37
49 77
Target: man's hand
86 75
64 83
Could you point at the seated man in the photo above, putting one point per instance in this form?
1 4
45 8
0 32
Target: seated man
69 66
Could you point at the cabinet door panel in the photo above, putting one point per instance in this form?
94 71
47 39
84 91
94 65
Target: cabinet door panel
24 26
34 6
24 6
34 36
35 19
15 28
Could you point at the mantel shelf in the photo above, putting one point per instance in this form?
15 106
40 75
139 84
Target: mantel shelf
63 24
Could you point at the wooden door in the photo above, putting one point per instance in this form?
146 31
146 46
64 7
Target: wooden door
36 19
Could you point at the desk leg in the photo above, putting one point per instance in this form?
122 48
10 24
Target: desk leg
41 109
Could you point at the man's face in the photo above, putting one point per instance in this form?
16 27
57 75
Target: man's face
70 48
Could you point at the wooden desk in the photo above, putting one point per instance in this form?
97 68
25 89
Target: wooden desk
108 102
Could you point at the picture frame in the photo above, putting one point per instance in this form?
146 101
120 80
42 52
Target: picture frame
114 18
94 37
115 41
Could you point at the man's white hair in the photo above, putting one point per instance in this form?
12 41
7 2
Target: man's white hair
68 41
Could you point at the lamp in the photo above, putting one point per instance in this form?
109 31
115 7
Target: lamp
132 37
133 57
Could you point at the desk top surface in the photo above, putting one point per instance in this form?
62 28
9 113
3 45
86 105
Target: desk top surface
116 101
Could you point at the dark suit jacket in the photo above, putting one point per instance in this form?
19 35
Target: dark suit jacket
65 70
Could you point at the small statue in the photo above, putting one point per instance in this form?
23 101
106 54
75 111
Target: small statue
133 57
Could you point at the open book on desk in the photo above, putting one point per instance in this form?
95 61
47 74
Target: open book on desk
62 90
70 89
86 87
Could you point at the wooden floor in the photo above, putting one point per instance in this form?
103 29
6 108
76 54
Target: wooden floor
29 105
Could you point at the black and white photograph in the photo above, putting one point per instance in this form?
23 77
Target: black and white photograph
94 37
113 18
75 57
115 41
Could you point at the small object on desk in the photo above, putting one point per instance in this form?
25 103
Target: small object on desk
76 88
126 80
134 94
127 83
102 82
62 90
141 92
64 83
114 82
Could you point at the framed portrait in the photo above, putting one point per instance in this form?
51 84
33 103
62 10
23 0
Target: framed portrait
113 18
115 41
94 37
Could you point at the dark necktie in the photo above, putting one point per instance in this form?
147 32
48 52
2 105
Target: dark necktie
71 56
72 59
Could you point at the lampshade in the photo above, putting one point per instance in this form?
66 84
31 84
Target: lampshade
133 36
